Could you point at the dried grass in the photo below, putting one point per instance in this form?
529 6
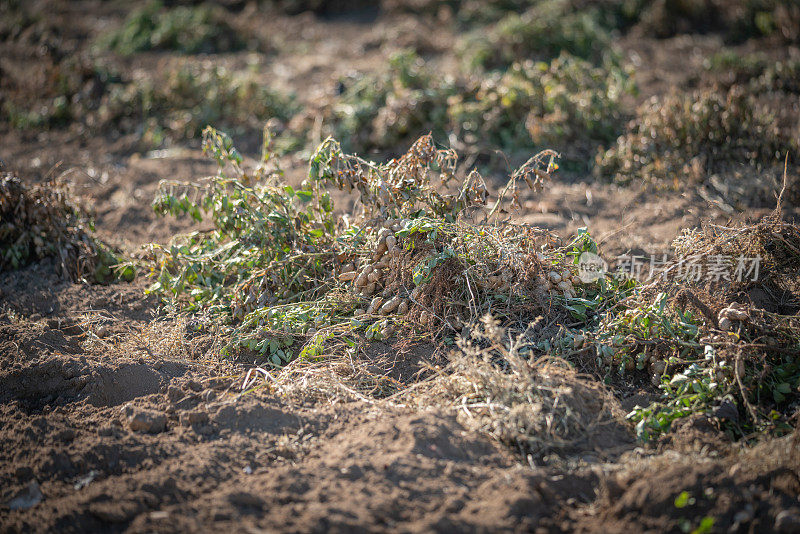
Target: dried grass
539 406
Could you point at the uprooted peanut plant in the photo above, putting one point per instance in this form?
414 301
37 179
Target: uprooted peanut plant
425 258
279 266
44 221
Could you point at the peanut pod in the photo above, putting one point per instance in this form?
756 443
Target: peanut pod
361 280
390 305
374 305
347 276
380 251
402 309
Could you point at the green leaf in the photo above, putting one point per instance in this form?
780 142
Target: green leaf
305 196
684 499
705 526
679 378
578 311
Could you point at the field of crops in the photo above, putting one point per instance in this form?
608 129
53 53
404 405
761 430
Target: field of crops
410 265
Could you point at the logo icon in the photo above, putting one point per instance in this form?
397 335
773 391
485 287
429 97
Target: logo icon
591 267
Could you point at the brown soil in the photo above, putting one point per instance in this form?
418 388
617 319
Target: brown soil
96 439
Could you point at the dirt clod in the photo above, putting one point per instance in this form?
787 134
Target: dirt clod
193 417
142 420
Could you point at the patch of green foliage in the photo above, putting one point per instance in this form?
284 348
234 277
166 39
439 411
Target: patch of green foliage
265 225
738 20
502 32
655 339
542 32
756 71
69 95
652 320
662 341
681 139
558 104
173 107
57 113
187 29
190 98
469 14
394 107
698 375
